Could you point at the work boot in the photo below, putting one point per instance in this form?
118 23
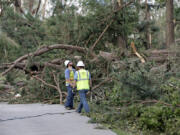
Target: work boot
72 108
68 108
78 111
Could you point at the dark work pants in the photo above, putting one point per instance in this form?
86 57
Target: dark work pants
70 97
83 101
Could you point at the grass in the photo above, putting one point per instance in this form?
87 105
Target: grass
120 132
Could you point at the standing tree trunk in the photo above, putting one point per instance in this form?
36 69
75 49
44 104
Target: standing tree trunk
38 7
148 31
17 5
121 42
31 4
1 8
44 9
169 23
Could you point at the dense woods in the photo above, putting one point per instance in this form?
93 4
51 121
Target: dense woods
131 48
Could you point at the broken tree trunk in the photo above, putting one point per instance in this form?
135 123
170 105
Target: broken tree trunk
162 56
136 53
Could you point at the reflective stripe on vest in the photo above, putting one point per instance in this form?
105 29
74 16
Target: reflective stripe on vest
83 80
71 76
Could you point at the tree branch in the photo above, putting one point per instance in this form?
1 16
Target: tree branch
38 7
101 83
58 88
149 101
45 83
43 50
101 35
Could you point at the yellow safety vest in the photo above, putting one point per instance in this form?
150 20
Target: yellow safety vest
82 80
71 77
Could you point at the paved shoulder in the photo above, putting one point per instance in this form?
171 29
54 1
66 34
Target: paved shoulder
38 119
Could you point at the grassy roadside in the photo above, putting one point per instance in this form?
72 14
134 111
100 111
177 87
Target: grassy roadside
120 132
104 116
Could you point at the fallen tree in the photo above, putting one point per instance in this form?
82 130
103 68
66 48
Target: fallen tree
38 66
17 63
43 50
159 56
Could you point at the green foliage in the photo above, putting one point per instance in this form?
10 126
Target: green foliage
152 118
121 108
137 82
177 13
27 32
155 119
125 107
8 47
160 119
171 91
2 78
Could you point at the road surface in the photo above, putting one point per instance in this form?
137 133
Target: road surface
39 119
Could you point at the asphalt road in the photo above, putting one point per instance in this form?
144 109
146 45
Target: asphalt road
38 119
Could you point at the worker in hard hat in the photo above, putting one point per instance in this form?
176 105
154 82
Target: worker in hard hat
69 76
82 80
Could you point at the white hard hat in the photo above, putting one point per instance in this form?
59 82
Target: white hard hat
17 95
66 62
80 64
